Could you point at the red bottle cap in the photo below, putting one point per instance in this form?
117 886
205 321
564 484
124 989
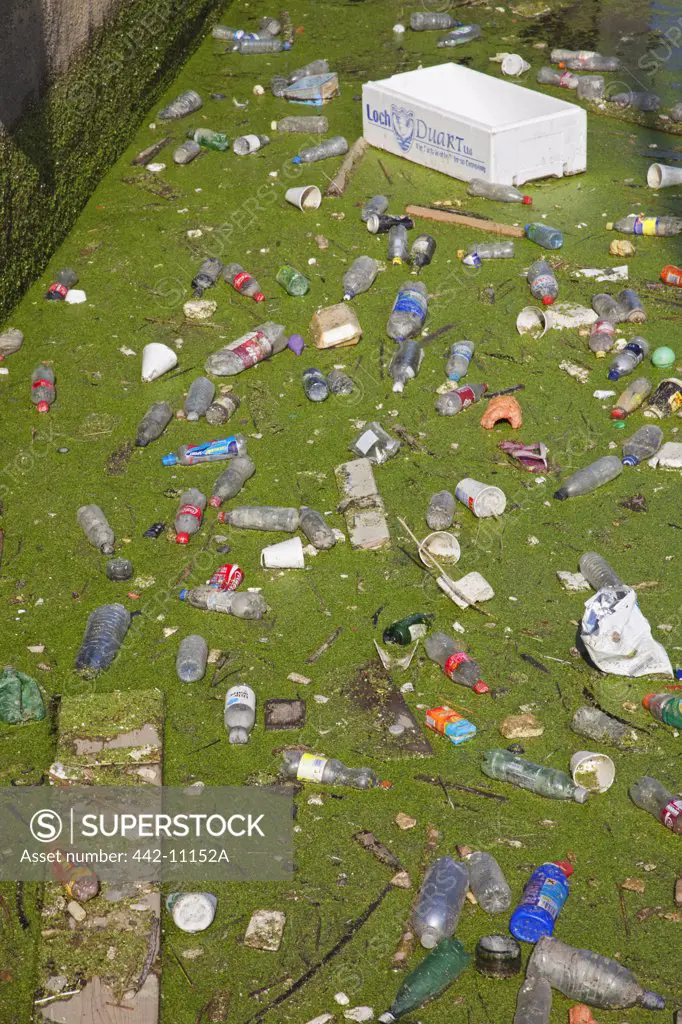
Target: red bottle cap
646 700
480 687
221 517
565 866
617 414
215 501
561 64
259 297
182 538
42 407
527 200
547 300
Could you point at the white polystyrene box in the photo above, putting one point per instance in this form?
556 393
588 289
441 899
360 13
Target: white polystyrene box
470 125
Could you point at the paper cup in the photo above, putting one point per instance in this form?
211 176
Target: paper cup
288 554
514 65
157 359
305 197
594 772
443 546
483 499
532 320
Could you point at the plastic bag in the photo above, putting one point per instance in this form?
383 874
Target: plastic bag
20 698
618 638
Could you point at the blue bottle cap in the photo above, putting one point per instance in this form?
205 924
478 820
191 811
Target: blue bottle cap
296 160
630 460
286 46
169 460
614 375
183 594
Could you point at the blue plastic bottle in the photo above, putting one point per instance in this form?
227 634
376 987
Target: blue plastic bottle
542 234
543 897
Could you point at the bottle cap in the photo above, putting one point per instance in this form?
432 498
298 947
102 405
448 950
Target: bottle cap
561 494
580 795
561 64
183 594
221 517
398 386
215 501
258 297
617 414
646 700
547 300
169 460
238 735
480 687
565 866
286 46
600 355
42 407
182 538
273 125
429 938
397 261
630 460
613 375
609 225
460 253
525 228
296 160
347 296
527 200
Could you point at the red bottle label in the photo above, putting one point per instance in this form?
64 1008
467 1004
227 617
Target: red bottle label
467 396
189 510
565 79
42 384
453 663
253 350
226 577
241 279
58 289
671 812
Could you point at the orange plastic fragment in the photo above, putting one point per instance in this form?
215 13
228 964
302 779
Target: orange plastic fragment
502 407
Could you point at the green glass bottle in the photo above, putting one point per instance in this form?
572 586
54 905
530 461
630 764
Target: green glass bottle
292 280
209 139
666 707
431 977
404 631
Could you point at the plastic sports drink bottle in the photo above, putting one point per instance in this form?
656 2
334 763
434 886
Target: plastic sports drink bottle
629 358
544 895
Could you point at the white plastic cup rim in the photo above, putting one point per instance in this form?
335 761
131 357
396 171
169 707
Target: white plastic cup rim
287 554
600 764
305 197
514 64
532 320
483 499
441 545
662 176
194 911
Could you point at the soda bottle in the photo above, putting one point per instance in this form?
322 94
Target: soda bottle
397 244
586 61
199 397
544 235
650 795
242 606
644 443
244 145
153 424
222 408
598 572
607 307
544 895
543 283
187 152
186 103
226 577
261 343
421 253
631 399
314 525
590 477
480 251
563 79
549 782
421 21
629 358
590 87
360 276
376 205
104 634
453 402
498 193
340 383
459 36
405 364
329 771
646 101
441 511
335 146
456 664
428 979
11 341
240 713
459 358
602 338
315 385
635 224
380 223
409 311
60 287
292 280
405 631
314 125
261 46
242 282
632 306
437 909
261 517
42 387
666 707
488 884
94 525
207 275
210 451
534 1002
594 724
209 139
190 663
189 515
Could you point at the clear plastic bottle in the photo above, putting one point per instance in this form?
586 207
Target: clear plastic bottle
405 364
279 83
316 528
453 402
209 139
381 223
340 383
643 444
327 770
360 276
375 443
261 45
210 451
634 224
459 358
189 515
94 525
587 977
153 423
456 664
185 153
646 101
563 79
222 408
549 782
315 385
293 281
498 193
665 707
544 235
234 274
313 125
207 275
598 572
675 113
199 397
631 399
253 347
590 62
437 909
441 511
651 795
231 480
186 103
487 883
459 36
270 25
229 602
590 477
439 968
595 725
397 251
544 895
631 304
227 35
409 311
602 338
376 205
64 281
629 358
244 145
240 713
335 146
11 341
543 284
424 21
104 634
534 1002
43 391
479 251
192 656
421 253
261 517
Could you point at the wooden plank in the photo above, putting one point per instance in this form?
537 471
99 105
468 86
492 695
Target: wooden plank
447 217
337 186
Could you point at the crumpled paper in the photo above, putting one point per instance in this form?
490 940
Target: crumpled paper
532 457
618 638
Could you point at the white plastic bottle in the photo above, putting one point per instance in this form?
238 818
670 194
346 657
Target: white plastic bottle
240 713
